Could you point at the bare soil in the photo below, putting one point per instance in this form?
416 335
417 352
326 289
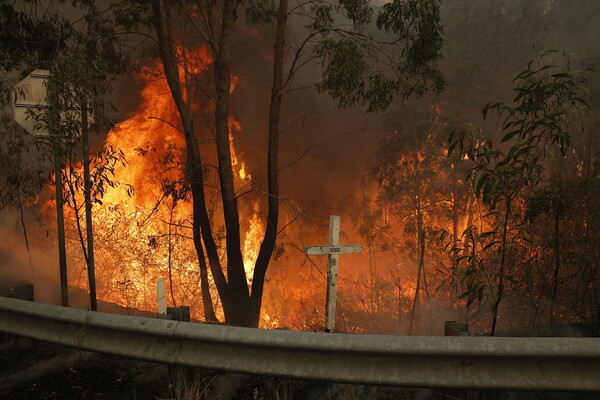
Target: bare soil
41 371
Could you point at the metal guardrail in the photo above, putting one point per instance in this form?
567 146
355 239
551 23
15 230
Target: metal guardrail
557 364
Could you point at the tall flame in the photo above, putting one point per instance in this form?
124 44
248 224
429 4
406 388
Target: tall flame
142 238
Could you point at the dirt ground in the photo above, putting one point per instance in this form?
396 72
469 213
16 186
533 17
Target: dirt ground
42 371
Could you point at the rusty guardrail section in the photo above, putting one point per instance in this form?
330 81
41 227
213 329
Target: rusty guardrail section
569 364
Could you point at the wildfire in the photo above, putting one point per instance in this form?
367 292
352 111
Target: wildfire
143 237
147 236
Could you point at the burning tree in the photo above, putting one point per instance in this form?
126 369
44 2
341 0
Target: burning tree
366 61
188 220
411 173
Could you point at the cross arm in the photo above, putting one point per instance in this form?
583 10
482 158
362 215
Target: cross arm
328 249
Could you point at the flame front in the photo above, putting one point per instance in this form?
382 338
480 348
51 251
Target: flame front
143 237
146 236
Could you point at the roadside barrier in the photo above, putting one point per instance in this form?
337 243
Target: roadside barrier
553 364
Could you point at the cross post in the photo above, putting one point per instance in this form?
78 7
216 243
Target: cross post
333 251
161 297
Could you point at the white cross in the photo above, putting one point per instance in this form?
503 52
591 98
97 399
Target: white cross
333 250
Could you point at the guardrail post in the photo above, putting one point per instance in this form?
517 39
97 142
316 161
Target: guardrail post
22 292
453 328
181 377
181 313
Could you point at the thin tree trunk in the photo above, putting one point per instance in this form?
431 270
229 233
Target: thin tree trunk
201 223
453 273
374 292
87 195
556 259
236 305
424 279
399 303
24 228
209 313
421 248
54 119
470 239
268 243
500 292
170 254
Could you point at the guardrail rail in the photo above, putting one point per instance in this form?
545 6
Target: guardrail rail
554 364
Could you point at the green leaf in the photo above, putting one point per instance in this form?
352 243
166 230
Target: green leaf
452 147
490 214
491 244
468 175
486 234
510 135
461 258
506 277
479 181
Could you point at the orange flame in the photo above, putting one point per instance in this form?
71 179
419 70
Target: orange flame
147 236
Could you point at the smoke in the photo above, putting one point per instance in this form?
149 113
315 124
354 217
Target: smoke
38 265
19 266
326 156
487 44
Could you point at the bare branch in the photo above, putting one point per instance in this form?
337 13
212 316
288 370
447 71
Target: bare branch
168 123
320 142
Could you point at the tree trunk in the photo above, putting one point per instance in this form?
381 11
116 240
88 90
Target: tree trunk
500 292
24 229
470 240
88 207
240 305
556 258
453 273
170 254
421 249
399 286
201 223
54 122
236 304
268 243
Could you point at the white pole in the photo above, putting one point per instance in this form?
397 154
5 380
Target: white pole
332 273
161 296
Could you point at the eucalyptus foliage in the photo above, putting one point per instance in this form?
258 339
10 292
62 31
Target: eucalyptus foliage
368 68
535 125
